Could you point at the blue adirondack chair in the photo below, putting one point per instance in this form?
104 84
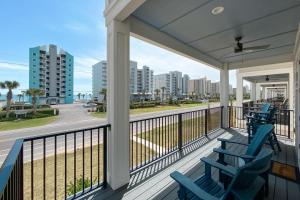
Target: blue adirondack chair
246 183
265 118
263 132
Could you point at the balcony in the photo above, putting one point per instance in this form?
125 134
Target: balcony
157 147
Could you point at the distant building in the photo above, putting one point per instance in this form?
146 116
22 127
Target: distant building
140 79
202 86
175 83
208 87
52 71
215 89
99 78
185 84
162 81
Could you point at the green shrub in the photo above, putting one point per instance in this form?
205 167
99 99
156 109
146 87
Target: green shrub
78 186
48 111
3 116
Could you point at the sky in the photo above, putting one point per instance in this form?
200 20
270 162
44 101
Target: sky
78 27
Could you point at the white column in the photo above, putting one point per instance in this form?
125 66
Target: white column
239 90
291 90
118 103
258 92
253 91
224 93
263 92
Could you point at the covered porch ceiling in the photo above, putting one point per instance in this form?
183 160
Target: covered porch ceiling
191 25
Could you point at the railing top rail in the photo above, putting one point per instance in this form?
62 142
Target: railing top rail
147 118
250 107
64 133
9 164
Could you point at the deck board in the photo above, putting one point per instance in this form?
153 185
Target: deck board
154 182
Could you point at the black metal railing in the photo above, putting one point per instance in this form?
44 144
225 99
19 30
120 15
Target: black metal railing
154 138
56 166
284 120
11 173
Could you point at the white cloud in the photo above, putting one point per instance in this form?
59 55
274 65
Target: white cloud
13 66
83 67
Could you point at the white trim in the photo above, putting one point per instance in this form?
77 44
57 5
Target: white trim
121 9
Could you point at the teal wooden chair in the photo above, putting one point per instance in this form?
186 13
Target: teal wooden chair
246 183
263 133
264 118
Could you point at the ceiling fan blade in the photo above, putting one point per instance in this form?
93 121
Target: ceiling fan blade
256 48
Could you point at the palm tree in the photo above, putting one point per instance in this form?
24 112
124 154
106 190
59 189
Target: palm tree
79 95
19 97
23 95
34 93
143 95
104 93
163 93
10 85
83 95
157 91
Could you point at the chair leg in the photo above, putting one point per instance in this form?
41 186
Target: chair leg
265 176
276 141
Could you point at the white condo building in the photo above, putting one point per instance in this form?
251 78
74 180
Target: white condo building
185 84
140 79
175 83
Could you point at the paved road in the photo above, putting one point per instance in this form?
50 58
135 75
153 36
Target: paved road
71 117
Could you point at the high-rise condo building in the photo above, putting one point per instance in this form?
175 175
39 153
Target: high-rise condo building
53 72
99 79
140 79
215 89
162 82
175 83
185 84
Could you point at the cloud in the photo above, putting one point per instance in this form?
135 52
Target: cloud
13 66
163 61
83 67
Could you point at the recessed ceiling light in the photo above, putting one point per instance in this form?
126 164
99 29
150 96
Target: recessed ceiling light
217 10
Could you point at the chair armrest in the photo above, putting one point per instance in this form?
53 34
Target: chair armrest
188 184
227 169
232 142
230 153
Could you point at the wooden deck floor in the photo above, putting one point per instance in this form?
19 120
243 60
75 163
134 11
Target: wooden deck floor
154 182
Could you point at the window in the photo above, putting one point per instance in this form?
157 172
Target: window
34 54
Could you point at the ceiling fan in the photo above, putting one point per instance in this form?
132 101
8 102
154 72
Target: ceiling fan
239 48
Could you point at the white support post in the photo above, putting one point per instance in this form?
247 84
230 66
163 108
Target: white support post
291 90
224 93
118 103
253 91
258 91
239 90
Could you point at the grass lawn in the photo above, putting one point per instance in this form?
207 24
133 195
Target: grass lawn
38 170
26 123
153 109
167 136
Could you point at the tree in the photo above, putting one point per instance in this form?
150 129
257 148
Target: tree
19 97
163 93
79 95
34 93
143 95
177 92
104 93
157 91
10 85
83 95
23 95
